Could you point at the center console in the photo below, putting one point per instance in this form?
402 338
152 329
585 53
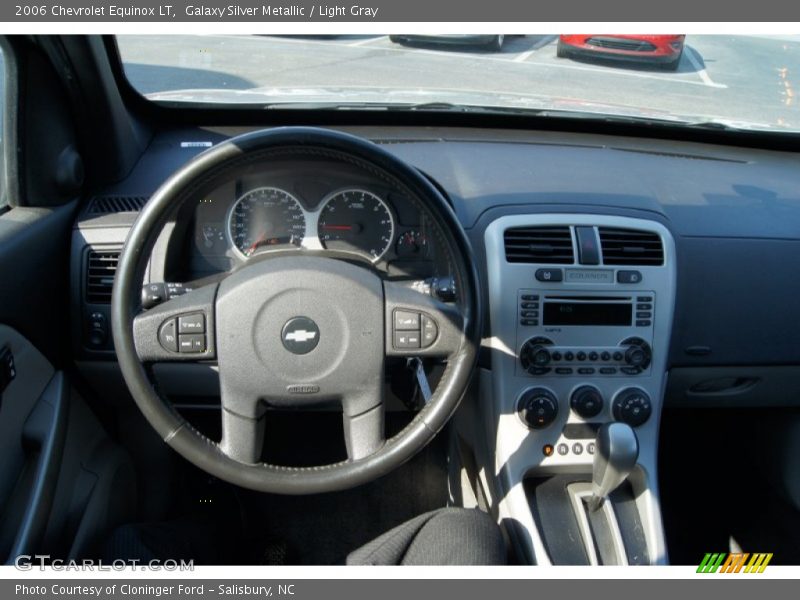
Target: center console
581 310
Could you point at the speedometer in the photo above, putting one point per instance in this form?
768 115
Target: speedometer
265 216
356 221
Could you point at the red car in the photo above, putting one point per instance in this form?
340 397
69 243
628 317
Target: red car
662 50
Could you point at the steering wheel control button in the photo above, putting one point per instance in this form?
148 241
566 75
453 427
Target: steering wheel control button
629 277
549 275
195 323
632 406
192 343
300 335
167 336
538 408
406 340
430 330
406 321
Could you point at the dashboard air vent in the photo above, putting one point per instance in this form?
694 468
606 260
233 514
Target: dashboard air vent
101 265
631 247
105 205
546 244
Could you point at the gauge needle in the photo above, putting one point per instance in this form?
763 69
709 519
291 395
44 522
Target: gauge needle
339 227
255 244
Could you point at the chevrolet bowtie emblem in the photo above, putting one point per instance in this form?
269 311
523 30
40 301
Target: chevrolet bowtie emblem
300 335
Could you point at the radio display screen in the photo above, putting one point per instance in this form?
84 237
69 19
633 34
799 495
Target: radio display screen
587 313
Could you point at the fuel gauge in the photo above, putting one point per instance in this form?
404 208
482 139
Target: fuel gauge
412 244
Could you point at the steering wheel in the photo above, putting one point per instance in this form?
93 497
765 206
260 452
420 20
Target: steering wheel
297 328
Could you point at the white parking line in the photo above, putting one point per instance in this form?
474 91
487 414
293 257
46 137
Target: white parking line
701 70
546 39
369 40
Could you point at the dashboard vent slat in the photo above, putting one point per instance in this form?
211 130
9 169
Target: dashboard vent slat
106 205
101 266
546 245
631 247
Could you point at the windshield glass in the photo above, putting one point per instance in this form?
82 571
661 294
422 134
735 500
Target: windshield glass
743 82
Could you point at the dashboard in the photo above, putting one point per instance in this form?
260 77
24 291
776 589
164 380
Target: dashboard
303 205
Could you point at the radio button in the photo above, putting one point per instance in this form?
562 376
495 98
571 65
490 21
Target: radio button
644 315
644 307
556 355
593 356
581 356
530 313
530 296
549 275
586 371
630 370
629 277
528 305
617 356
605 356
529 322
643 323
608 371
563 371
644 299
569 356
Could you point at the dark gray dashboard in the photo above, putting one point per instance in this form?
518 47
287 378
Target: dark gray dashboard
734 214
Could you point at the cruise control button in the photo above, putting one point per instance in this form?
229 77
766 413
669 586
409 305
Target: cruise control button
195 323
406 321
167 336
429 331
192 343
406 339
549 275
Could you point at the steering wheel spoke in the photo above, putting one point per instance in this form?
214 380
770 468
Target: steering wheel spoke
418 324
181 329
242 437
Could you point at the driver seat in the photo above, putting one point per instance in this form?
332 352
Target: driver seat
447 536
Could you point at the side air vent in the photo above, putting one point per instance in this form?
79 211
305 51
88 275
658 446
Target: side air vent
631 247
548 244
105 205
101 266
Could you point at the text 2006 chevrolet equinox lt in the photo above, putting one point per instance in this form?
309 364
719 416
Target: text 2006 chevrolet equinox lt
275 300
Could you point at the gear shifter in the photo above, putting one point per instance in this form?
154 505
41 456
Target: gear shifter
617 450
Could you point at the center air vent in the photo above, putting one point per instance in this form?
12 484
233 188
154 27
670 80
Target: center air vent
631 247
547 245
105 205
101 266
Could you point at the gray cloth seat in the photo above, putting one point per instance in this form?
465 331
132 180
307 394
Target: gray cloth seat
448 536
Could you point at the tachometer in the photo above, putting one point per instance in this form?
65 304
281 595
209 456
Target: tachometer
266 217
356 221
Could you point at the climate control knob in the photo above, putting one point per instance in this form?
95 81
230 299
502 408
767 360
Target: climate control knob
586 401
538 408
632 406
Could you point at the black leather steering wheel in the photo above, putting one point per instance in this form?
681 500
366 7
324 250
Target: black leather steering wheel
266 358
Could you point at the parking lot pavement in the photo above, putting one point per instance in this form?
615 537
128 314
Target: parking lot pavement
744 79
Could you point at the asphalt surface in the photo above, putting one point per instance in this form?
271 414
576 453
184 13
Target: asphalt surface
743 79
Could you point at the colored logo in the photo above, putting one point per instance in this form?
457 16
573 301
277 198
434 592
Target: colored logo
734 562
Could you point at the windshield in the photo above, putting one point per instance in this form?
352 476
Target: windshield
742 82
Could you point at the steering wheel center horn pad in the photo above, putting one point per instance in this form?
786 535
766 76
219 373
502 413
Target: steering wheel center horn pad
299 328
254 306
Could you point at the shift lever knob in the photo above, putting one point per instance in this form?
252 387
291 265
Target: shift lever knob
616 451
